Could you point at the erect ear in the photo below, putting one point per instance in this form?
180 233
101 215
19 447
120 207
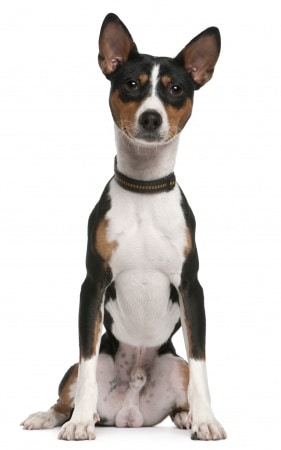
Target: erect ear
199 57
116 45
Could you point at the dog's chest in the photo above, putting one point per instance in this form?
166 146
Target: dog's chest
150 237
149 232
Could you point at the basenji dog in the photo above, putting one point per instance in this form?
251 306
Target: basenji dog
142 263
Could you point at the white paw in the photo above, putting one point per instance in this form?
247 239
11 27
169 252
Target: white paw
182 420
212 431
72 431
43 420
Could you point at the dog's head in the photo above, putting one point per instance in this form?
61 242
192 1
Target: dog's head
151 98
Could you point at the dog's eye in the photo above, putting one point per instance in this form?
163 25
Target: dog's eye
131 85
175 90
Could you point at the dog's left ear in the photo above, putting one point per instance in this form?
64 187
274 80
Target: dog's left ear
116 44
199 57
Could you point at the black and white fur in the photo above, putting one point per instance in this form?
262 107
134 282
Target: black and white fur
142 262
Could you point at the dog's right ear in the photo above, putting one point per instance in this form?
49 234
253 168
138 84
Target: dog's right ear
116 45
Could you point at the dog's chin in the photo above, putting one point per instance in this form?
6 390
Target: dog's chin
149 139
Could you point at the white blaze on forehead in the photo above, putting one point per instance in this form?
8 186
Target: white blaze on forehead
154 78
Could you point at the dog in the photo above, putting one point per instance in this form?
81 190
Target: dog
142 261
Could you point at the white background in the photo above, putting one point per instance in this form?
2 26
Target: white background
57 149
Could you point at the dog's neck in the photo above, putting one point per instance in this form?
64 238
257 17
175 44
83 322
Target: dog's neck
145 162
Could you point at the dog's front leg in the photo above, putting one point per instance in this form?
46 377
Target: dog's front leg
204 424
82 423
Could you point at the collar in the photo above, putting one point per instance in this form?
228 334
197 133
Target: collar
144 187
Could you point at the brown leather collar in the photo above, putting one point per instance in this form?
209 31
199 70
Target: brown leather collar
144 187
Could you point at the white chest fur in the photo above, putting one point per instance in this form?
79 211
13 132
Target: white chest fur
151 238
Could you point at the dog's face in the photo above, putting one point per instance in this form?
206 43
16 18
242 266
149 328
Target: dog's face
151 98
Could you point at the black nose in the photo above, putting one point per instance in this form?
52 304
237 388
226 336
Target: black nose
150 120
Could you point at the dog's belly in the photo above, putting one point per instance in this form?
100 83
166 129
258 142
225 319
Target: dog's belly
142 312
163 385
151 238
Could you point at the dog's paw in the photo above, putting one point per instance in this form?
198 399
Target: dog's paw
182 420
72 431
43 420
212 431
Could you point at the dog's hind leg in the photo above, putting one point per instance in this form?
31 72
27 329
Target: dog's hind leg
181 415
61 411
